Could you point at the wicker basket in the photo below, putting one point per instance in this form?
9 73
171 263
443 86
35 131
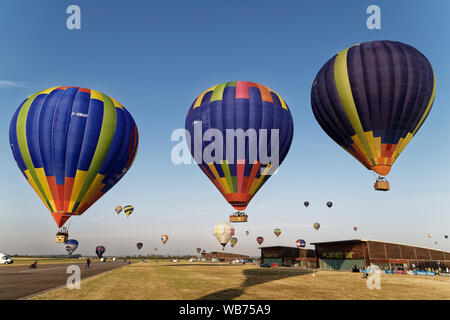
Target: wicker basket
381 185
60 238
234 218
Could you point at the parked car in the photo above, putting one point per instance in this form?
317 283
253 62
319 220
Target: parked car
265 265
4 259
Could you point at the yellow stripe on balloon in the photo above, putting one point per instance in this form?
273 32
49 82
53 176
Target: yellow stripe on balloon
430 103
92 189
36 189
218 178
80 176
283 104
198 102
40 173
257 182
96 95
116 104
361 148
344 90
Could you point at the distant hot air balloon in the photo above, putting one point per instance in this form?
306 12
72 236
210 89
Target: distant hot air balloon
139 245
233 241
155 248
164 238
118 209
306 203
100 250
199 250
223 232
435 242
238 170
72 145
429 235
329 204
247 232
277 232
71 245
128 210
300 243
259 240
372 98
446 236
316 226
355 228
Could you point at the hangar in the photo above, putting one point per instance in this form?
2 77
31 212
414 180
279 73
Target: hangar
343 255
222 257
288 256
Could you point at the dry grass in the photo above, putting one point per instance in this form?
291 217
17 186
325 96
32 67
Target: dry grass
162 281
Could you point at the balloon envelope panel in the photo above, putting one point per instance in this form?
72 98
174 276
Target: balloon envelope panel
72 145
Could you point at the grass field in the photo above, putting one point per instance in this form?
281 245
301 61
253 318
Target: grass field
184 280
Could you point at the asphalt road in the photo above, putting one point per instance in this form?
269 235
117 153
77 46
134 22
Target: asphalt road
18 282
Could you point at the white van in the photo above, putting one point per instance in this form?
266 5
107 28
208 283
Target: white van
4 259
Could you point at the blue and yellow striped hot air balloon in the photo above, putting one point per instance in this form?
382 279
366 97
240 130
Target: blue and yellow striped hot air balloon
240 105
372 98
72 145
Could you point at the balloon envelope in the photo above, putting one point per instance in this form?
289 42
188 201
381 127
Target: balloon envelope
372 98
71 245
100 250
446 236
239 106
277 232
316 226
300 243
118 209
306 203
259 240
72 145
355 228
128 210
329 204
223 232
139 245
164 238
247 232
233 241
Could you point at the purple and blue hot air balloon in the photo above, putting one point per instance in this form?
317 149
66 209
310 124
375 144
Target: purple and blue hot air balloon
71 245
246 107
372 98
100 250
72 145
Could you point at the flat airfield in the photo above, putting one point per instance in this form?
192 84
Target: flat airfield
18 281
186 280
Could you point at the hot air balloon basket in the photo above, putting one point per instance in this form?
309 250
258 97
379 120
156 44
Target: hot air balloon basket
381 186
234 218
61 238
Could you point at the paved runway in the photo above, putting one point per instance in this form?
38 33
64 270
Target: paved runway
18 282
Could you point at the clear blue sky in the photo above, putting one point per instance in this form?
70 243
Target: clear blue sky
155 57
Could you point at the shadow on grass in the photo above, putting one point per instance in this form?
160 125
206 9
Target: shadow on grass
252 277
255 277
